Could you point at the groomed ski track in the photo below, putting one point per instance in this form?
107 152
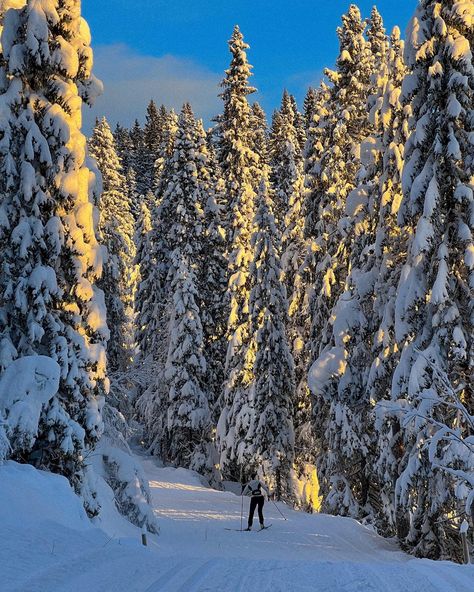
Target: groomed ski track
194 552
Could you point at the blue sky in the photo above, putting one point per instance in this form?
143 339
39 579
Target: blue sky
175 50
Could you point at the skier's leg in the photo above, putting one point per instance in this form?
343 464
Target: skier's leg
253 505
261 502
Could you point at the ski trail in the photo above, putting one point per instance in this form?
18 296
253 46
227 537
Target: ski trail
194 552
336 554
183 577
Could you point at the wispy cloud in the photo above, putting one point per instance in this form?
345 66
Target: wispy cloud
131 80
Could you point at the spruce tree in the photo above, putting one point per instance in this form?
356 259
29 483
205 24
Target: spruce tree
212 273
123 145
345 125
349 427
260 134
156 125
344 230
315 145
239 165
176 250
299 123
165 153
300 297
387 257
188 414
289 195
286 160
309 106
433 314
116 229
151 293
377 39
139 159
271 434
50 305
144 264
133 198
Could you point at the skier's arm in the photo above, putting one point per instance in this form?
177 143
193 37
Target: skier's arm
265 488
245 489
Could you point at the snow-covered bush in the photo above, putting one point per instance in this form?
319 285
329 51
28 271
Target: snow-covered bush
123 473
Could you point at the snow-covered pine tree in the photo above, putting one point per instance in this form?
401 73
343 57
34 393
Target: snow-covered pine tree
289 194
133 198
348 217
165 153
144 264
286 160
212 273
150 297
124 150
260 134
188 413
300 296
349 428
139 159
314 149
271 434
189 426
177 251
309 106
116 229
50 305
239 165
149 304
299 123
123 145
156 125
434 322
153 127
345 125
377 38
386 260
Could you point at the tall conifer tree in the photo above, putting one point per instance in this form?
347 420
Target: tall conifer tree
434 322
239 165
271 432
50 304
116 228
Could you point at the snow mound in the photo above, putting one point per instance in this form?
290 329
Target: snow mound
26 387
37 497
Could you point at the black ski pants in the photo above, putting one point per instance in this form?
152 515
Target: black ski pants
256 501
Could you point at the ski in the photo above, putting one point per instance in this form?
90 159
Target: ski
247 530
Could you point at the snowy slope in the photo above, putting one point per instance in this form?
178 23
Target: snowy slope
48 545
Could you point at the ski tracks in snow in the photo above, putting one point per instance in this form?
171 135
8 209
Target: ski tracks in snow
184 577
194 552
304 554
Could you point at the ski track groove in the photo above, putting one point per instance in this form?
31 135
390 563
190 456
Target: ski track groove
165 578
183 577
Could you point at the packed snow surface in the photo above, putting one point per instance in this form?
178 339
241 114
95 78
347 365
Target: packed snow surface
49 545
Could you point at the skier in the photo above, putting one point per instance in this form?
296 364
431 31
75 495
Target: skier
254 489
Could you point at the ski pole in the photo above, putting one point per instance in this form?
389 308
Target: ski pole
279 510
241 511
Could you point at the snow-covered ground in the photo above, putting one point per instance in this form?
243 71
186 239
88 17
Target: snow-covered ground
48 545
